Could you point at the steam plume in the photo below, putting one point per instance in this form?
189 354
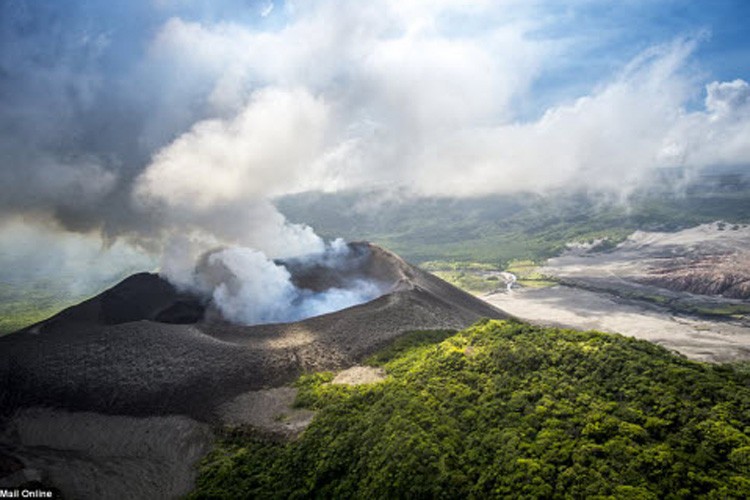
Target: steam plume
248 288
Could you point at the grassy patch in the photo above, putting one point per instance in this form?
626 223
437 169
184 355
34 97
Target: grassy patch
528 275
537 283
523 268
724 310
474 277
411 341
468 281
479 277
18 316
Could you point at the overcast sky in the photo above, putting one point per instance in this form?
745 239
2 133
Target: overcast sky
146 118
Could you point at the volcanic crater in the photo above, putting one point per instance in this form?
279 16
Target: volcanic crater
117 397
145 348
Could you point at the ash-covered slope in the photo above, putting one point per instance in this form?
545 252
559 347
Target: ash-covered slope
140 296
143 348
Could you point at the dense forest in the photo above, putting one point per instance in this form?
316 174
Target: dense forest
506 409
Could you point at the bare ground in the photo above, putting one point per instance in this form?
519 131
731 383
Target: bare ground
661 287
90 455
270 412
708 264
569 307
357 375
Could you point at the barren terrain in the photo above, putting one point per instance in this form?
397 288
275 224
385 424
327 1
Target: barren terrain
712 260
684 290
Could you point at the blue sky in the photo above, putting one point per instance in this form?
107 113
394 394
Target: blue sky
610 33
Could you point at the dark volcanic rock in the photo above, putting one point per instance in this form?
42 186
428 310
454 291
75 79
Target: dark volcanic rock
141 296
138 297
726 275
143 348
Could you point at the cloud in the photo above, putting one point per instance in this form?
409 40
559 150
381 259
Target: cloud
256 154
163 118
611 138
266 11
341 96
44 181
409 105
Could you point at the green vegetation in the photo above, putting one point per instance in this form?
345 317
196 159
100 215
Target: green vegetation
505 409
473 277
522 226
741 367
528 275
408 342
737 311
676 304
20 308
15 316
480 278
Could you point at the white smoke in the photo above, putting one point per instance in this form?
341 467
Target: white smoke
248 288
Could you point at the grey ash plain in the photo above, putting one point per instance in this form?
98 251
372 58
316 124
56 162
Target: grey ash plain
676 289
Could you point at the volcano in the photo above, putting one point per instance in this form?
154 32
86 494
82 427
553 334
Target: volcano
145 348
119 396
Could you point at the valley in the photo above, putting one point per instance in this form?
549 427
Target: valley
633 290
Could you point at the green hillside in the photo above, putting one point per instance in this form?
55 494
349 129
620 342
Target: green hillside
507 409
500 228
21 306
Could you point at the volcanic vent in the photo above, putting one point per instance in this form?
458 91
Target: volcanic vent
144 347
245 287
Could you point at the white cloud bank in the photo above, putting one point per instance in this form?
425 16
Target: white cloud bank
386 95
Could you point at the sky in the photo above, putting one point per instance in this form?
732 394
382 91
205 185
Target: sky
167 123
